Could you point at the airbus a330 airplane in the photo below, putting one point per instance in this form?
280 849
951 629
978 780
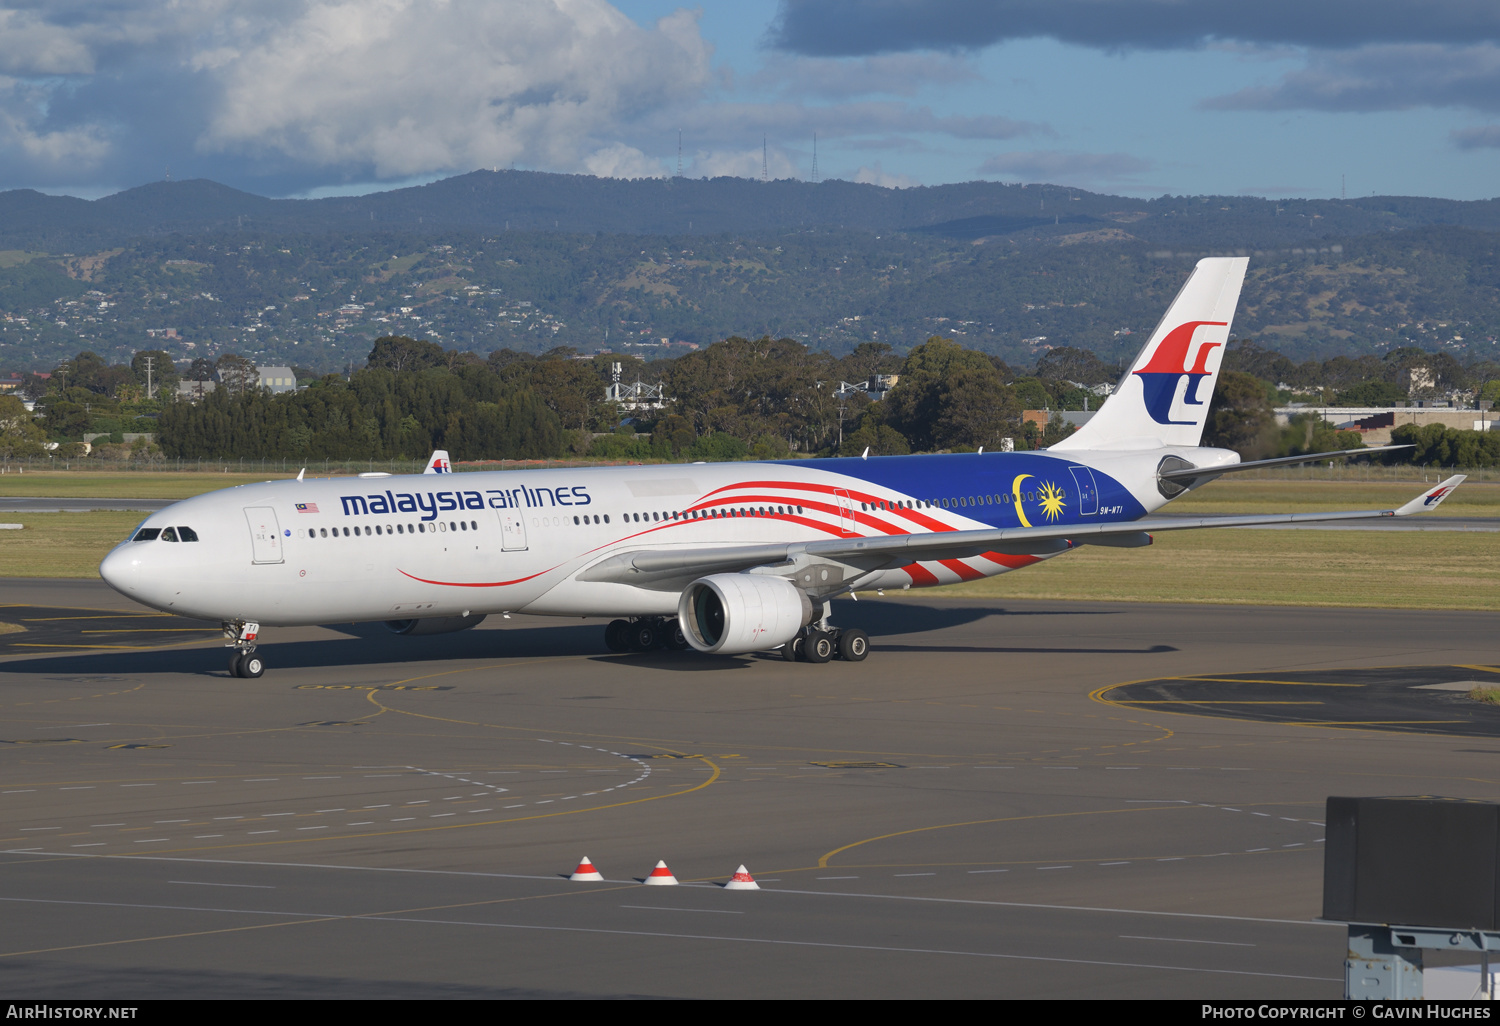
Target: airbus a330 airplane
726 558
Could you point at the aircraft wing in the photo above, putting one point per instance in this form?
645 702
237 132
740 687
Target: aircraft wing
661 567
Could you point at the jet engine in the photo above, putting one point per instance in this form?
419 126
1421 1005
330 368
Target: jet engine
730 614
434 625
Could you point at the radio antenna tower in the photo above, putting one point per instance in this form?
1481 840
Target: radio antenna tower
765 172
679 153
815 159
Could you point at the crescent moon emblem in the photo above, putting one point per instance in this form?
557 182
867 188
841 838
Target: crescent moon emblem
1015 487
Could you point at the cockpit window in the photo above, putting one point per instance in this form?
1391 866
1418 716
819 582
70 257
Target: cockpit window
187 534
169 534
147 534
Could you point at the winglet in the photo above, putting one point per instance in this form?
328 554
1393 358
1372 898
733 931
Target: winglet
1430 500
300 473
438 464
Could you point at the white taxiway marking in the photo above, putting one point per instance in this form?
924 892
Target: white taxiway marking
1186 940
663 908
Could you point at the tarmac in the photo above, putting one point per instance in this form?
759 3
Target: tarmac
1006 799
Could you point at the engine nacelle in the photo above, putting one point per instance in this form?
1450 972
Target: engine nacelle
731 614
434 625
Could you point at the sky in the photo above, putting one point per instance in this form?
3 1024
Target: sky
1278 98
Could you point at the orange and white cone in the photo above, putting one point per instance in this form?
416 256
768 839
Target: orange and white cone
661 876
742 881
586 872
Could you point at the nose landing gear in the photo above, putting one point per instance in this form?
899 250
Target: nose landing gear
243 662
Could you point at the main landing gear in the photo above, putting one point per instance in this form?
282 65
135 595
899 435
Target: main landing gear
243 662
820 643
645 634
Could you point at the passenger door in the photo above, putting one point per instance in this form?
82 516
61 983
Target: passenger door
1088 490
846 511
512 530
265 534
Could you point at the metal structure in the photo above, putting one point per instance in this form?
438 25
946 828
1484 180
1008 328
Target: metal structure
637 396
1421 860
1384 963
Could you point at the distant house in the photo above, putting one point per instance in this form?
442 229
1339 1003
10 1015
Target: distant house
277 379
192 390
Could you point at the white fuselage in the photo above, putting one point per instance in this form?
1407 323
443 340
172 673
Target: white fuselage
348 549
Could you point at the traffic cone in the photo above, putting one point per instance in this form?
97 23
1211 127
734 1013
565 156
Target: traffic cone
586 872
742 881
661 876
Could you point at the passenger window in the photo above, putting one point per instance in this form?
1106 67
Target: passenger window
147 534
169 535
473 525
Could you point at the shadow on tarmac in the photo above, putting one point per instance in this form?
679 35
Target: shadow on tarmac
370 644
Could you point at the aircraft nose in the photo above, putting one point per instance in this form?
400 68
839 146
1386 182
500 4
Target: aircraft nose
121 570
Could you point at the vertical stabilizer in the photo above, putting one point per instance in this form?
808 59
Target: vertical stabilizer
439 464
1163 398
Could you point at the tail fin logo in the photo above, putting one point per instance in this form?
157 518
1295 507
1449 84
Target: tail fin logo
1168 366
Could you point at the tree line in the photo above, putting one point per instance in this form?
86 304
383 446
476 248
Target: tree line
739 398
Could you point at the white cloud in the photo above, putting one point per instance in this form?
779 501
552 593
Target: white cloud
885 179
24 137
743 164
620 161
407 86
296 94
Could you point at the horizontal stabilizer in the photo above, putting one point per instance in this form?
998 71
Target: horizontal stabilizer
1190 473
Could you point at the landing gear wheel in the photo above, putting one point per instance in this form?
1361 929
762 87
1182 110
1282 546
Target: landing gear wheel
643 636
818 648
251 665
854 645
674 639
792 650
617 636
235 659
